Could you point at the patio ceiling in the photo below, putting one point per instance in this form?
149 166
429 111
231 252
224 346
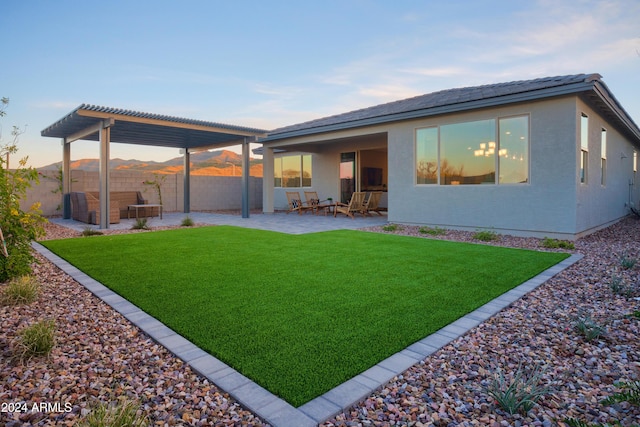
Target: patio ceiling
131 127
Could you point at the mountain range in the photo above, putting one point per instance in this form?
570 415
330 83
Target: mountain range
211 163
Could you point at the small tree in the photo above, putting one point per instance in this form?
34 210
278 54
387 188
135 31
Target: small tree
157 182
19 227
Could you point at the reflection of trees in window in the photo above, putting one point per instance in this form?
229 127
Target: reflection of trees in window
292 171
473 153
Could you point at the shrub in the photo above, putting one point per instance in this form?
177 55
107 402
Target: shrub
485 235
627 262
588 327
555 244
88 231
187 222
35 340
122 413
436 231
619 287
518 393
391 227
18 227
20 290
141 224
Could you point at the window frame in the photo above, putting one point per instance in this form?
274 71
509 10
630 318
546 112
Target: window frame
584 149
496 156
302 160
603 157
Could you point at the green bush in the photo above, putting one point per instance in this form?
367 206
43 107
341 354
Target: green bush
18 227
486 235
122 413
436 231
518 393
20 290
549 243
587 327
141 224
187 222
391 227
89 231
627 262
35 340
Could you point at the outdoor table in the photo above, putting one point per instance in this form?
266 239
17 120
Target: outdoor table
136 207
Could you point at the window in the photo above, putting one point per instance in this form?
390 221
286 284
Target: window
427 155
584 147
467 153
514 150
474 153
292 171
603 157
635 165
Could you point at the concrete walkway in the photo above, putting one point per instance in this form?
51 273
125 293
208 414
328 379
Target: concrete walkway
280 221
264 404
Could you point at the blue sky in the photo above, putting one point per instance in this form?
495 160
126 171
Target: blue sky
268 64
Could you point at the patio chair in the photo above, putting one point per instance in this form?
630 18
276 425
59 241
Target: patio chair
355 205
373 202
296 204
314 201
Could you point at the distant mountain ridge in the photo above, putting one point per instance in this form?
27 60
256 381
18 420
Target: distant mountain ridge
212 163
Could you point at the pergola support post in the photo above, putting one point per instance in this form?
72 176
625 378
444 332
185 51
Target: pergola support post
187 181
105 136
66 179
246 173
267 179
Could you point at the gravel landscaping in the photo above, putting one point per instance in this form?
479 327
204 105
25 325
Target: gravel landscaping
100 356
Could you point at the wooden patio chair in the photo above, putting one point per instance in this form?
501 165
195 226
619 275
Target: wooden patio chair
373 202
314 201
296 204
355 205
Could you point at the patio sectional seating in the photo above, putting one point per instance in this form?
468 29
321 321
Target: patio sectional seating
85 206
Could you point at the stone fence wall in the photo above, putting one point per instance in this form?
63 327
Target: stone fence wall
207 192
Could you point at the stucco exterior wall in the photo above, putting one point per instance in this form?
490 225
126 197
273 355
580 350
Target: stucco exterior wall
599 205
544 206
207 192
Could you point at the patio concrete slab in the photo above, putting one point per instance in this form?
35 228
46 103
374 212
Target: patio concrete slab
271 408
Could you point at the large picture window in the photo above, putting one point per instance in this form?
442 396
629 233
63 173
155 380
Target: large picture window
474 152
292 171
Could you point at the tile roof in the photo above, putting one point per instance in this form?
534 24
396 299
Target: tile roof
445 101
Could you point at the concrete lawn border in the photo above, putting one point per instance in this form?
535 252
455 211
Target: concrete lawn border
266 405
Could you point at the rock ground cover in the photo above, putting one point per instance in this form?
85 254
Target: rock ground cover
100 356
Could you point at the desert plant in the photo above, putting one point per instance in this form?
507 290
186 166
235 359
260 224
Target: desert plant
156 182
121 413
37 339
485 235
619 287
436 231
187 222
88 231
141 224
550 243
18 227
20 290
518 393
627 262
587 327
391 227
630 393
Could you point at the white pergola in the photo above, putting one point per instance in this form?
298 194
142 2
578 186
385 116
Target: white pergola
106 125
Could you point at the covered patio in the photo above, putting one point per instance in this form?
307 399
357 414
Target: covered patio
106 125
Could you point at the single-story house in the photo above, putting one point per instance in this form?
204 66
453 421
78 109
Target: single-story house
555 156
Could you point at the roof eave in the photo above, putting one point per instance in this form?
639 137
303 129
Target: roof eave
574 88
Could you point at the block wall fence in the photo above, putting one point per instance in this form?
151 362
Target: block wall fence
207 192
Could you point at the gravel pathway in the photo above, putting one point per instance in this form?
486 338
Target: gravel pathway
100 355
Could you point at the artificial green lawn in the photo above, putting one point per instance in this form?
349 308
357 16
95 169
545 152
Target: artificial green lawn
300 314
